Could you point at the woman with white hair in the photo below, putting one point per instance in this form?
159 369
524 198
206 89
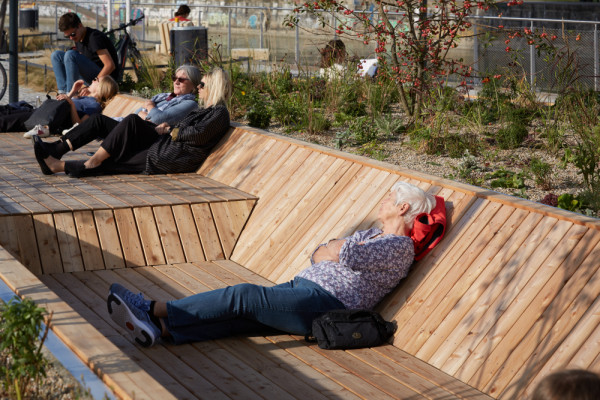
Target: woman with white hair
135 145
353 273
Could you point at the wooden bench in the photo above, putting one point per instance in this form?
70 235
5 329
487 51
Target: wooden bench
509 295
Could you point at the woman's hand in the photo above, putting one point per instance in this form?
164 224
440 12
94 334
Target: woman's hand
163 128
63 96
329 252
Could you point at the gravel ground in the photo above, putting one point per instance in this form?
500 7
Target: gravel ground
59 384
397 151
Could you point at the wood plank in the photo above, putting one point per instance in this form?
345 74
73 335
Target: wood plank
88 240
190 240
511 305
131 244
437 345
68 242
207 231
339 374
28 251
109 239
220 151
169 236
229 219
526 332
153 249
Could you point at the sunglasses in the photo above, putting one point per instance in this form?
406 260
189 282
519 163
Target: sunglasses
96 79
201 84
180 79
71 35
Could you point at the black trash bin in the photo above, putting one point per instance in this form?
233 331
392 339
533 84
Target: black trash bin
29 18
189 44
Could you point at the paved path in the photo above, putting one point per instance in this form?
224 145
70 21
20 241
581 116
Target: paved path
27 94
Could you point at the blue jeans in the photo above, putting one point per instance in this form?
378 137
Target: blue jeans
71 66
248 309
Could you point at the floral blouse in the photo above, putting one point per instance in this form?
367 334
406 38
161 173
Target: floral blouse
369 267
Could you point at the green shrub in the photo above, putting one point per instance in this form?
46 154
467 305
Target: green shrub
21 357
352 101
287 110
360 131
542 173
504 178
259 115
317 122
511 136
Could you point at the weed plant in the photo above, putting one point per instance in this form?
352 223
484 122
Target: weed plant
21 357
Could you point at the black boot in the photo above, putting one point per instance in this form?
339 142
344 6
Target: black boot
56 149
75 168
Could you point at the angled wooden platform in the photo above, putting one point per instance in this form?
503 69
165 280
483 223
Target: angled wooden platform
509 295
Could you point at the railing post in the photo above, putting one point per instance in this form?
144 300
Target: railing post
45 78
335 36
97 18
532 61
261 29
298 43
26 72
476 81
199 16
229 33
109 15
56 21
596 57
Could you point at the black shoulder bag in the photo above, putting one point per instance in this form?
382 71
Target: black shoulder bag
350 329
54 113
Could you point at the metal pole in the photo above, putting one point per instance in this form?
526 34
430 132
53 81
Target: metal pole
532 61
13 61
56 21
45 78
199 16
109 14
229 34
596 56
476 81
335 35
128 12
97 18
261 29
298 43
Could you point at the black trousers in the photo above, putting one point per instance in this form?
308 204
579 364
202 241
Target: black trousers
14 120
97 126
127 142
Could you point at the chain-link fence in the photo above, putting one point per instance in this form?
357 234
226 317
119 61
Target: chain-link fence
484 47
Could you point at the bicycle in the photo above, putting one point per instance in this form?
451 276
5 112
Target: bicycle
127 49
3 79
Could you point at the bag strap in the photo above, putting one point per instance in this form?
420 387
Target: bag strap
51 91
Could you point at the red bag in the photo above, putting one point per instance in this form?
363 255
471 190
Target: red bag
429 229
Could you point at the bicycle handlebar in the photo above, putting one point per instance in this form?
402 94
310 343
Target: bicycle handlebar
123 26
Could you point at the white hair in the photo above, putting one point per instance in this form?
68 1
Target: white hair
418 200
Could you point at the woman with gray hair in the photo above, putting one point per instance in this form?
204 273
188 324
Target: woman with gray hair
353 273
136 145
172 107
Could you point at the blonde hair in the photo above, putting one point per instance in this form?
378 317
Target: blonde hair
218 85
107 89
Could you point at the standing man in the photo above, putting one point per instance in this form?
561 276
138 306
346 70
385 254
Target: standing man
93 56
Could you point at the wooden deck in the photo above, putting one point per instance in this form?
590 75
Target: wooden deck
509 295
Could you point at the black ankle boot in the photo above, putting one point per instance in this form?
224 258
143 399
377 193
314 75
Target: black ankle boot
75 168
56 149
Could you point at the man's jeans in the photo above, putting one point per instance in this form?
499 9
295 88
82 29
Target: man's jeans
245 309
71 66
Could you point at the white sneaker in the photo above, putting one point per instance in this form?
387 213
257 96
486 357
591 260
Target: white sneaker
65 131
38 130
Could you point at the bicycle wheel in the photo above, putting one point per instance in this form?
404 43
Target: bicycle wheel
136 60
3 81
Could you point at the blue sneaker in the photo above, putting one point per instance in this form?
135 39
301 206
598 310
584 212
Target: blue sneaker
130 311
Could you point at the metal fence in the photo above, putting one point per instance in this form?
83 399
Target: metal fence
262 27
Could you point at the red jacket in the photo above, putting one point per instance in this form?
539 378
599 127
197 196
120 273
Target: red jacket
428 229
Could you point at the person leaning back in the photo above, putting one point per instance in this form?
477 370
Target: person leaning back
93 56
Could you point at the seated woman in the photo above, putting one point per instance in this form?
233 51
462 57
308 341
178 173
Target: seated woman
172 107
136 145
354 273
101 91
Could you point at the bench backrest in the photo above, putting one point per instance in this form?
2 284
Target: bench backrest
510 294
122 105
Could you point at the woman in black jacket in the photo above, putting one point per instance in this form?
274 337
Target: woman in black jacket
134 145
